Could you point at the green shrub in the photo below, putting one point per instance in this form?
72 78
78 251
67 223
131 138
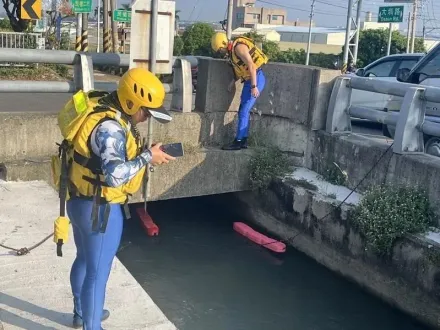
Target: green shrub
387 213
267 164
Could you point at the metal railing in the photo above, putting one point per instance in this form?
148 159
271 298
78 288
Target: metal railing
21 41
83 77
410 121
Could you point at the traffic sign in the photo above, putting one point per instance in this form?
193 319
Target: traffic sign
393 14
82 6
122 15
31 9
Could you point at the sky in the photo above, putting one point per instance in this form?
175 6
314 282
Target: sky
328 13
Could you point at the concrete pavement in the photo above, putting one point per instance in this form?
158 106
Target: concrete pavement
34 289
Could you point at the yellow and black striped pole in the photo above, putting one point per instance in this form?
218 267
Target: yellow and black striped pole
78 32
85 33
107 41
344 68
107 32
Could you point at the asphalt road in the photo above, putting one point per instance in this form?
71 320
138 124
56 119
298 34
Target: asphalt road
53 102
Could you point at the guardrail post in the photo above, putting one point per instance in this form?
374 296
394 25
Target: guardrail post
83 77
182 86
409 136
338 116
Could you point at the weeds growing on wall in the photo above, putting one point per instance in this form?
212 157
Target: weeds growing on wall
267 164
332 173
387 213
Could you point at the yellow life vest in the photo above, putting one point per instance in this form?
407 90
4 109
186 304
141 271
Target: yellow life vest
240 68
77 121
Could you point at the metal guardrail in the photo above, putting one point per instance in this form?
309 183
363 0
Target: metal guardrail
83 77
21 41
410 122
69 57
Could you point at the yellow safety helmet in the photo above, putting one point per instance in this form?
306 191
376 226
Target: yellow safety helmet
219 40
139 88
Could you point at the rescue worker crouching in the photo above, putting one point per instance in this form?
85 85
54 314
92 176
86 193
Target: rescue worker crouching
247 61
107 164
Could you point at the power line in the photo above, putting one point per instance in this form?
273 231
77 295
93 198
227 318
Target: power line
299 9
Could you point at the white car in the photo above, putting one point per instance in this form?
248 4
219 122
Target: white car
425 73
385 68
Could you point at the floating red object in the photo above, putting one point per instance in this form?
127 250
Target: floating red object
259 238
147 222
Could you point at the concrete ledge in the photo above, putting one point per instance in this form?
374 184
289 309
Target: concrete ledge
296 92
407 280
357 155
206 172
34 135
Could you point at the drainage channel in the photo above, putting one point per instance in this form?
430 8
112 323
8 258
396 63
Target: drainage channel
203 275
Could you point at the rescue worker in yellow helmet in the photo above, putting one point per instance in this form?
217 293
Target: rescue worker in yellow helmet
108 164
247 61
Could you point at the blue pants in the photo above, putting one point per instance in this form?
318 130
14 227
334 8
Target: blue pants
247 103
95 253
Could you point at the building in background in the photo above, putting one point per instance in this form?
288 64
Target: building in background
247 15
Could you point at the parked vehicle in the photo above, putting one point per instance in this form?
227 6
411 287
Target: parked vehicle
385 68
426 73
194 71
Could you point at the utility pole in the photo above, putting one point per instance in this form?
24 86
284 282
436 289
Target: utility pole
310 32
114 27
78 32
390 37
408 35
358 30
347 35
229 22
413 27
85 32
99 24
106 34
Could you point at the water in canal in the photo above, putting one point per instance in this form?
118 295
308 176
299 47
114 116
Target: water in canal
204 276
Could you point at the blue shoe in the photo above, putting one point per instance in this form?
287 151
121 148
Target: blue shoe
78 323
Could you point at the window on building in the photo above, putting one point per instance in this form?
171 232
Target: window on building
240 16
254 16
275 17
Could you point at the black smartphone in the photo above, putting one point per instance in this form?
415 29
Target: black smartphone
173 149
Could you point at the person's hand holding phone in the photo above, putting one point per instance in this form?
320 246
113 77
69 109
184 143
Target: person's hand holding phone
159 157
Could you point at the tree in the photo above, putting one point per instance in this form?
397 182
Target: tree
178 46
197 39
5 25
13 9
271 49
63 9
255 36
373 45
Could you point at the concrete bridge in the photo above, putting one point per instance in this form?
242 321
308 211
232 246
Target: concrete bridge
292 106
297 113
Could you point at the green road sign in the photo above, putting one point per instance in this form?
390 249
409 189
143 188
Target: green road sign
392 14
82 6
122 15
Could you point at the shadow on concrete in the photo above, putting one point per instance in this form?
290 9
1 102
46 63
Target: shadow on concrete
10 318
